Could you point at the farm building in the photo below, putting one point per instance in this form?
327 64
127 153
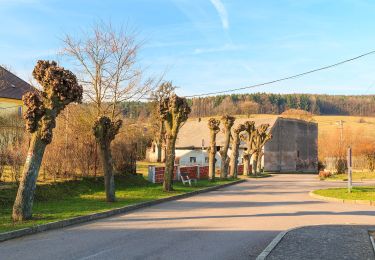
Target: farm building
293 148
12 89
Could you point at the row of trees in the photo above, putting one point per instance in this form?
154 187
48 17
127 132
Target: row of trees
108 76
268 104
254 138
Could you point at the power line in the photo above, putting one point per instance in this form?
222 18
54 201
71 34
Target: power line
286 78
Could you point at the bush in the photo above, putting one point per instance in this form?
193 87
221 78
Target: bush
321 166
324 174
341 166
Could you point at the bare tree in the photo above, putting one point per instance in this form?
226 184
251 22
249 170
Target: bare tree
60 88
107 63
165 90
174 111
235 149
214 126
260 139
248 138
227 122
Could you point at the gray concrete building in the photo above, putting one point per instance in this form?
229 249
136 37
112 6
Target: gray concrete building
293 148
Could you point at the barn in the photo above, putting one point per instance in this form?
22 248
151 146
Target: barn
293 148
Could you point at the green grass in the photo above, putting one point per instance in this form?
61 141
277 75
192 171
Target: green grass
357 176
142 167
259 176
69 199
358 193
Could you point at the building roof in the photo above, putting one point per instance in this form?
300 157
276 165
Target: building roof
12 86
194 131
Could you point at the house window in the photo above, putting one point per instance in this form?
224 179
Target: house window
297 153
153 148
193 159
206 159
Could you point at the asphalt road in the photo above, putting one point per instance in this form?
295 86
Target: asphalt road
237 222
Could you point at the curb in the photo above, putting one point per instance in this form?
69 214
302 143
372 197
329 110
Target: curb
272 245
275 242
281 235
100 215
361 202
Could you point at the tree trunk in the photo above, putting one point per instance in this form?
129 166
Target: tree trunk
159 143
234 157
211 157
169 163
109 180
224 156
211 163
255 163
159 149
22 208
260 162
246 164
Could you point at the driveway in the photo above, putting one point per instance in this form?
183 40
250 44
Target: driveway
237 222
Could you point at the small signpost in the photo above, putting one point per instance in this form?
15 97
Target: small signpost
349 163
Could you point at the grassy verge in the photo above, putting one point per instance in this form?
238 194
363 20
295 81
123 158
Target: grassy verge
357 176
69 199
259 176
358 193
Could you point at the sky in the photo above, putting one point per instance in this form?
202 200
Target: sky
210 45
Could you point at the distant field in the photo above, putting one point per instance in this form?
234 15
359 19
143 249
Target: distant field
354 123
329 123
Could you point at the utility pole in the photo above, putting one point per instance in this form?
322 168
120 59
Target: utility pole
349 164
341 127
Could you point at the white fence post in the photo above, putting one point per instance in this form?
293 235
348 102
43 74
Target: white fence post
151 173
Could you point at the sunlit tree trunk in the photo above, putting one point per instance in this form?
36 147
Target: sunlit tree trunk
228 122
105 132
169 163
213 125
22 208
235 150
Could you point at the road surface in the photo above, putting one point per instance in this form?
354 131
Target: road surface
237 222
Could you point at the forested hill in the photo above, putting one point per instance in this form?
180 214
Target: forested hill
270 104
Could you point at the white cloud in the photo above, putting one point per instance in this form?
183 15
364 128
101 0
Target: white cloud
220 8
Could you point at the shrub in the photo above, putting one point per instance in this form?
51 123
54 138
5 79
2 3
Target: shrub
324 174
341 166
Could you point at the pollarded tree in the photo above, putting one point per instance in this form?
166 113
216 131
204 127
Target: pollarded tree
260 139
174 111
214 126
60 88
165 90
235 149
105 132
248 138
227 122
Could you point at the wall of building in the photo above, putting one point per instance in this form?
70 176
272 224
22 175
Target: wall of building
293 148
10 106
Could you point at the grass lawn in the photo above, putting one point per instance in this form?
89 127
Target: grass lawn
357 176
142 167
76 198
358 193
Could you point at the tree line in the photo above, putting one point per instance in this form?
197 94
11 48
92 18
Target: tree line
266 103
